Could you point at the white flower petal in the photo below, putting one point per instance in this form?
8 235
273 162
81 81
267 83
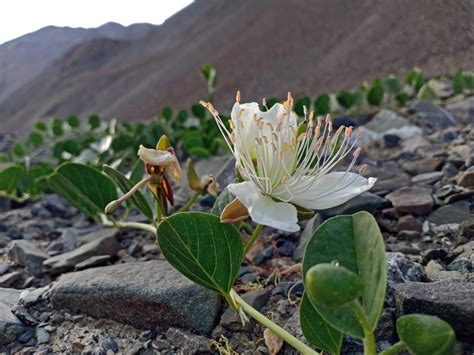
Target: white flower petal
156 157
333 189
264 210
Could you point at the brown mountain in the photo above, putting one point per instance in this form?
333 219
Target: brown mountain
263 48
25 57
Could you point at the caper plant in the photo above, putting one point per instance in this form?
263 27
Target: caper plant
284 168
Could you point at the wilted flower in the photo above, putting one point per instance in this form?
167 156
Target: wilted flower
283 165
159 161
158 164
209 185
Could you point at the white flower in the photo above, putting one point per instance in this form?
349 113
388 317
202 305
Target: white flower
282 168
163 159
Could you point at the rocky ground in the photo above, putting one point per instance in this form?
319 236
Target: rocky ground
68 286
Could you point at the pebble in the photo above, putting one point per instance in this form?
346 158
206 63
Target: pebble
427 178
463 265
449 300
26 254
420 166
456 212
466 178
412 200
188 343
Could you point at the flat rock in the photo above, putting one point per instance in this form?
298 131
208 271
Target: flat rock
427 178
466 178
107 244
9 279
420 166
189 343
366 201
449 300
145 295
93 261
10 326
456 212
385 120
432 115
412 200
26 254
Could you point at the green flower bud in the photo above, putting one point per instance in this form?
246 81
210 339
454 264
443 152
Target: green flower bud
194 181
112 207
163 143
332 286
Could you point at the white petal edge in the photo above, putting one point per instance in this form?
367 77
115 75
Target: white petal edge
332 190
263 210
156 157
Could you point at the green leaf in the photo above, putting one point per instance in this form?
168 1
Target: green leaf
84 187
300 103
36 139
35 178
126 185
346 99
415 79
322 105
137 172
316 330
94 121
355 242
224 198
426 335
458 82
167 113
271 101
198 111
10 175
202 248
19 150
426 92
40 125
331 285
375 93
57 127
73 121
402 98
392 84
199 152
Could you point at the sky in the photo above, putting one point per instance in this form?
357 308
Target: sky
18 17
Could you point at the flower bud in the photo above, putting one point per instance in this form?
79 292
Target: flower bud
209 185
193 180
112 206
332 286
163 143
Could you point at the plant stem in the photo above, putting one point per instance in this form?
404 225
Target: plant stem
394 349
275 328
136 225
369 339
190 202
253 238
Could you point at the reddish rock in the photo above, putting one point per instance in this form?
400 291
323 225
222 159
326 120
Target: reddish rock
414 200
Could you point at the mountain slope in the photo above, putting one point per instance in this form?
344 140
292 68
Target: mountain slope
263 48
25 57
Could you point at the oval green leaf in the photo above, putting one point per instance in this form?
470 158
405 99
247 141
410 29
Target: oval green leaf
356 243
126 185
84 187
203 249
10 175
426 335
316 330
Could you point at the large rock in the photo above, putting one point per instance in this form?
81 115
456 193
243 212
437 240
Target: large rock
10 326
449 300
413 200
457 212
385 120
432 115
143 294
26 254
106 244
420 166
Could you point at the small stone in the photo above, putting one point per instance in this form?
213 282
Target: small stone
31 296
408 235
409 223
391 140
456 212
4 267
427 178
69 238
435 254
188 343
248 278
420 166
93 261
42 336
449 300
432 115
264 255
412 200
105 245
285 247
10 326
145 295
462 265
466 228
26 336
466 179
9 279
26 254
109 344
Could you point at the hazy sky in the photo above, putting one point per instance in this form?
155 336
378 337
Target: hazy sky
18 17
